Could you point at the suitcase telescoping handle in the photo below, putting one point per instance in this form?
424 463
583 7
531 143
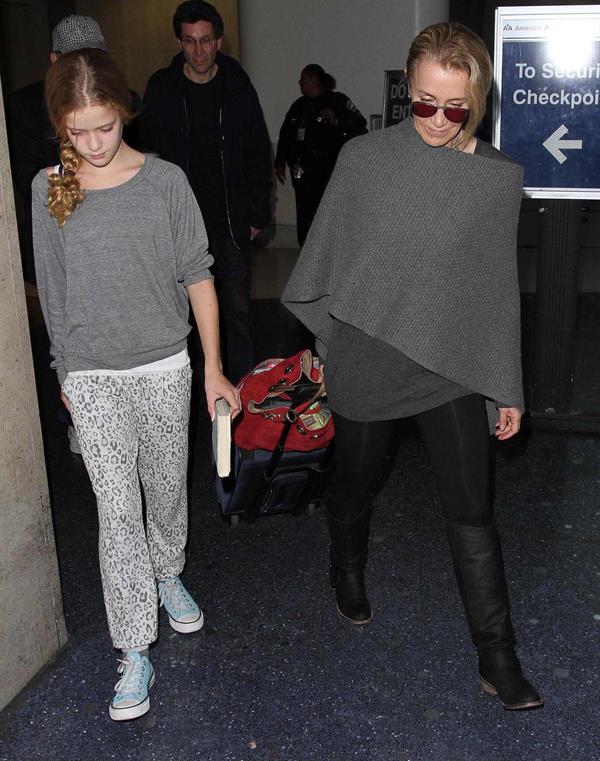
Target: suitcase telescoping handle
304 395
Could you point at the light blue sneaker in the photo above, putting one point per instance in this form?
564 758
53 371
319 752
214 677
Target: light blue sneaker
184 615
131 699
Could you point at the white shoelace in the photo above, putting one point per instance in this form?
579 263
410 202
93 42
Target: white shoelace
175 593
132 679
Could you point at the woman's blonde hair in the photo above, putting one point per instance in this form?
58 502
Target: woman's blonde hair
454 46
75 81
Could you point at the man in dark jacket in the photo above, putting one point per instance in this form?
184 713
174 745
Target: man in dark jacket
203 114
33 144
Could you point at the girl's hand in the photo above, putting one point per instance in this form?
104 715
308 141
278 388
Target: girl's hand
508 423
64 400
216 386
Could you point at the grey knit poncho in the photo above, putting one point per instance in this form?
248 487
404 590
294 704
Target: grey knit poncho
416 246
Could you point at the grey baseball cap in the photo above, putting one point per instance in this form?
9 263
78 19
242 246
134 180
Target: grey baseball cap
77 32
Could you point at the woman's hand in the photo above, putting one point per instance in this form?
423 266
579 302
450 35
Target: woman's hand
216 386
508 423
280 173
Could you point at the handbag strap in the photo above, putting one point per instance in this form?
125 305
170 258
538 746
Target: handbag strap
304 395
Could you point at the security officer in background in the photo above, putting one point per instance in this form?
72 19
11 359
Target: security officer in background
312 134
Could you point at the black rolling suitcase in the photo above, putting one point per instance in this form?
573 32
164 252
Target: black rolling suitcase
264 482
299 482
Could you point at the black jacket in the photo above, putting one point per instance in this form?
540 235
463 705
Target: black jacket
32 142
246 147
309 140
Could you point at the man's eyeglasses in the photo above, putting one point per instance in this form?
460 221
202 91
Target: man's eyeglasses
202 42
452 113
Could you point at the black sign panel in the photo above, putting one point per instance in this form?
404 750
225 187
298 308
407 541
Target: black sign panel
396 103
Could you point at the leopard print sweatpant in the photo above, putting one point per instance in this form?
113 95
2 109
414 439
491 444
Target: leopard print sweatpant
132 429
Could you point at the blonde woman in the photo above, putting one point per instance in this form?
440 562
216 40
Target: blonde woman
121 252
408 280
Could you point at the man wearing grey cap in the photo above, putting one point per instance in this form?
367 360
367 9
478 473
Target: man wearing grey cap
74 33
33 145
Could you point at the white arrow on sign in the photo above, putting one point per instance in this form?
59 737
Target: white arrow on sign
555 146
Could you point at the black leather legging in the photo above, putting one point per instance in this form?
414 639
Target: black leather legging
457 440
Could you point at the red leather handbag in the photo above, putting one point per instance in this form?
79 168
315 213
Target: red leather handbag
282 404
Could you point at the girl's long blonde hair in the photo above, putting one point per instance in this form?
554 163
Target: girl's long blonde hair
75 81
454 46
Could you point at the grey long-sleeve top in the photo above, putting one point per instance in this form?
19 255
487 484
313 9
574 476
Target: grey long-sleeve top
112 280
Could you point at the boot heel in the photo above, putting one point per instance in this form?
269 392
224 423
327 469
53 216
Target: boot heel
354 621
488 688
509 684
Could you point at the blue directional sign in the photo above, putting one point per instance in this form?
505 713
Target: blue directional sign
547 104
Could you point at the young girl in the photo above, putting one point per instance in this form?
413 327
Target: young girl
121 252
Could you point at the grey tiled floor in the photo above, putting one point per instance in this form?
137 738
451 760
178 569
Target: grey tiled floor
271 268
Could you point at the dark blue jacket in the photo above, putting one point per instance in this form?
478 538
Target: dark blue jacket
245 143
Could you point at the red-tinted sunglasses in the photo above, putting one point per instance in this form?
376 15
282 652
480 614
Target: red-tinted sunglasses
452 113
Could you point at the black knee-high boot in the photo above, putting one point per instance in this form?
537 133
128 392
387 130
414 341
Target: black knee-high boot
479 571
348 554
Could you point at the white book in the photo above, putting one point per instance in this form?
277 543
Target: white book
221 438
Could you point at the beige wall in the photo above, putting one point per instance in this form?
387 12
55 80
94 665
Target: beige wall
353 40
32 626
139 33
